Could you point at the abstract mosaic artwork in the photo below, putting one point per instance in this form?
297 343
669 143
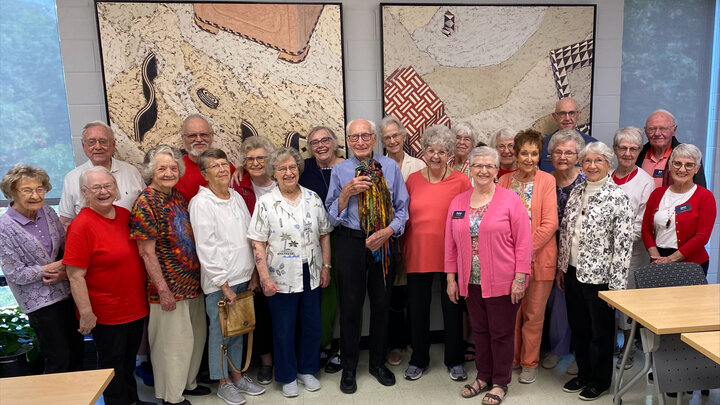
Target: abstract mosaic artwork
252 68
494 66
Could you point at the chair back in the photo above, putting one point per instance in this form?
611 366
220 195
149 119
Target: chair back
669 275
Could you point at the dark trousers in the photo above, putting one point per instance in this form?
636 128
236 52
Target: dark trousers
357 273
493 326
263 337
592 322
398 328
116 347
664 252
293 312
419 300
61 344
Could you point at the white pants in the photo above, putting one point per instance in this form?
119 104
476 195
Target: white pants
177 340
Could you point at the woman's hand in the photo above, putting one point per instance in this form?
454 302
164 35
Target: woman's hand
324 277
167 300
87 322
517 291
236 178
254 284
560 280
54 273
452 290
268 287
228 293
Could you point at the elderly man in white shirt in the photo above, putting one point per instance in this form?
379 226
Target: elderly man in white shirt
98 142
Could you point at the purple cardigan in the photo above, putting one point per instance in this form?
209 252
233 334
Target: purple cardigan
504 246
22 256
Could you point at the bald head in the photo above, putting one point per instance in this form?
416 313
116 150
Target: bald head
660 128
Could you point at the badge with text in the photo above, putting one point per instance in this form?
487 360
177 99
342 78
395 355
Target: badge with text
458 214
658 173
683 208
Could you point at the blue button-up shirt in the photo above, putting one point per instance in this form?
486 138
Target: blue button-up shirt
344 172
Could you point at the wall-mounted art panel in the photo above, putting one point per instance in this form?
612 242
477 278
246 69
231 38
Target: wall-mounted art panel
494 66
252 68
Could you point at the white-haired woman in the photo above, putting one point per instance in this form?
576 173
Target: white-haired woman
32 239
176 329
466 137
638 185
679 218
503 140
107 279
220 220
594 255
431 190
290 236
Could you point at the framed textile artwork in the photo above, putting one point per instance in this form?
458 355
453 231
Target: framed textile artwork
493 66
251 68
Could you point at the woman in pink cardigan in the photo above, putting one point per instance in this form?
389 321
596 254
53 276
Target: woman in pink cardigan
489 271
537 192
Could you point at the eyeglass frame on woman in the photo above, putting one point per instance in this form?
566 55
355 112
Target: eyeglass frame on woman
40 191
688 165
259 159
98 187
317 142
481 166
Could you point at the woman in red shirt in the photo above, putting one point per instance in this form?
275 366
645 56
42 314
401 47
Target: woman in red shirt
679 218
107 279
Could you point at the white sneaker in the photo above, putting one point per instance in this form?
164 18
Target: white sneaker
248 386
230 394
290 390
309 381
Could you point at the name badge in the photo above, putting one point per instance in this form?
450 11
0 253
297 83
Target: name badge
458 214
683 208
547 158
658 173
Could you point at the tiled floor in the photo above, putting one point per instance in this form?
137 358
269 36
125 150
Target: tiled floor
435 387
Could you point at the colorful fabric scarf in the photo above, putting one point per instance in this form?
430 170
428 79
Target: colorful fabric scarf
375 208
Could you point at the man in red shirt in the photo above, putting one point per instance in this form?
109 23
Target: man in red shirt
197 136
660 130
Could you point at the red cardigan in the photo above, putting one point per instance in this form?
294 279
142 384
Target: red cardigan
693 227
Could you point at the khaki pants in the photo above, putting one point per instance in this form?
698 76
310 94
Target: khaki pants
177 340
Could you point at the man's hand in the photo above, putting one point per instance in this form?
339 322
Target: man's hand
167 301
374 241
237 176
357 185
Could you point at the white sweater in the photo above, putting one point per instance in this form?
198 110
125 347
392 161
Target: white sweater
220 229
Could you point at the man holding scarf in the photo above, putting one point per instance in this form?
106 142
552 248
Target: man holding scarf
367 203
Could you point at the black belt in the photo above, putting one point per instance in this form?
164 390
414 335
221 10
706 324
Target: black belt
343 230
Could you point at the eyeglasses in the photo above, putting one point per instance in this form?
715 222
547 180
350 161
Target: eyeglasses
563 114
92 142
291 168
29 191
96 188
259 159
561 154
625 149
503 148
432 152
219 165
460 138
482 166
678 165
596 162
365 137
392 137
664 130
322 141
203 135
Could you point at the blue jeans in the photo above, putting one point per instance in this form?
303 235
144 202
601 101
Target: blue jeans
287 311
215 339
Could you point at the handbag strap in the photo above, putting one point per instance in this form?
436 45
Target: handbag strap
248 356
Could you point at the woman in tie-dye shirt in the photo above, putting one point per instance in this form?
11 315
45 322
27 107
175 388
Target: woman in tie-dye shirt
161 225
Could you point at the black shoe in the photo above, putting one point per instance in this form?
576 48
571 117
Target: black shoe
592 393
184 402
197 391
347 382
140 402
577 384
383 375
674 394
265 375
334 364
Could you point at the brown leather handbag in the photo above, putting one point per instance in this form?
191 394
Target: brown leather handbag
237 319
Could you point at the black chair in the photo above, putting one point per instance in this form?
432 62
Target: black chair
673 355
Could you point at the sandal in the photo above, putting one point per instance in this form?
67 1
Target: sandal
469 352
496 398
473 392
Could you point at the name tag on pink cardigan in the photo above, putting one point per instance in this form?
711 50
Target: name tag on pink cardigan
458 214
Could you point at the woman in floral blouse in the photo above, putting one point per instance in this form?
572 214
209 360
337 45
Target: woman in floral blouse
290 236
594 252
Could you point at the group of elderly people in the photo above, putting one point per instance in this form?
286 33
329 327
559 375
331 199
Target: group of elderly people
507 238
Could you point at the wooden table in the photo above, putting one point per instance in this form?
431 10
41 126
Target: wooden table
82 387
668 310
707 343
